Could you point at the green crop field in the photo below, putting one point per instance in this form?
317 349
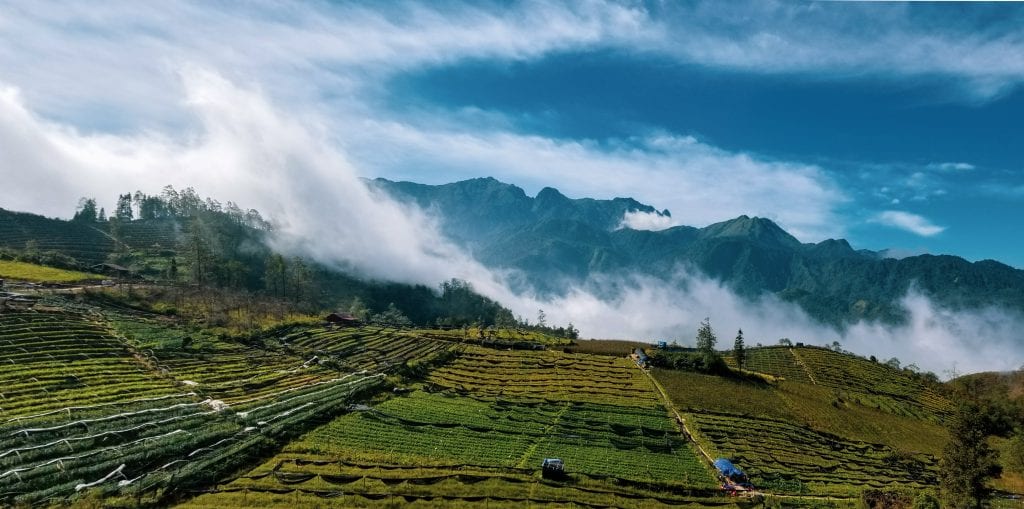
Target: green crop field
859 380
831 424
784 457
806 404
37 273
477 431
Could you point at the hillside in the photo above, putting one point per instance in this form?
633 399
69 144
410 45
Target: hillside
307 414
217 249
554 239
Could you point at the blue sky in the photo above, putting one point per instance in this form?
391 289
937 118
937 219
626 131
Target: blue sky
892 125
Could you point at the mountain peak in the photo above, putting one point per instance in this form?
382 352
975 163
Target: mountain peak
756 228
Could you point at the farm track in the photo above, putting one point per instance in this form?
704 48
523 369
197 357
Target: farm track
803 365
679 417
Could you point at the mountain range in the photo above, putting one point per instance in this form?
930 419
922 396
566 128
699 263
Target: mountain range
555 241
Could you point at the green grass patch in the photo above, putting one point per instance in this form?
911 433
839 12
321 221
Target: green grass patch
41 274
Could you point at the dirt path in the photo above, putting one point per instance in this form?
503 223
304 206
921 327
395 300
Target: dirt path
803 366
679 418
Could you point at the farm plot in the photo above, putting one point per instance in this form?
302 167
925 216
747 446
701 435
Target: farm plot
859 380
809 405
376 348
38 273
468 441
53 360
219 368
85 410
774 360
319 483
546 376
874 384
151 234
85 243
784 457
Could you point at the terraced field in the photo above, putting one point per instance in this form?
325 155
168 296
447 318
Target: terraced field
834 424
773 360
868 383
477 432
875 384
134 405
546 376
129 405
86 244
803 404
784 457
151 234
365 347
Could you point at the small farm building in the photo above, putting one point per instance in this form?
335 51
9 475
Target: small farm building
342 319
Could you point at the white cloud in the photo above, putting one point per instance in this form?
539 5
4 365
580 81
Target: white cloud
640 220
81 59
951 166
248 152
907 221
842 39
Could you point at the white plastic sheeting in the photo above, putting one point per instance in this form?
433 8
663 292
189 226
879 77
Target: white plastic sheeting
116 471
68 409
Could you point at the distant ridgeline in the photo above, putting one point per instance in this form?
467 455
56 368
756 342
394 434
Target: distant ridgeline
179 237
554 239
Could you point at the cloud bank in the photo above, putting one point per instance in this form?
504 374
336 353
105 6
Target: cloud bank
285 164
933 338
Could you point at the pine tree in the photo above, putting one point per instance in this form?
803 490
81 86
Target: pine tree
86 210
739 351
706 342
967 460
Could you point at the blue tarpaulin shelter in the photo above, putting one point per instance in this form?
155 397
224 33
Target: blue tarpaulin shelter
727 469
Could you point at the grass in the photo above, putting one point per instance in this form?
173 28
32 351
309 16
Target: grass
40 274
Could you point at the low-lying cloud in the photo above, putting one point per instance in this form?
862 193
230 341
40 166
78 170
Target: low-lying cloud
285 165
933 338
652 221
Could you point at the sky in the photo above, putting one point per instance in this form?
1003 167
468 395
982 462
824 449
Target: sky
893 125
896 126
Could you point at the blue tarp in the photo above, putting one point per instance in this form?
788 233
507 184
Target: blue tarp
726 468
